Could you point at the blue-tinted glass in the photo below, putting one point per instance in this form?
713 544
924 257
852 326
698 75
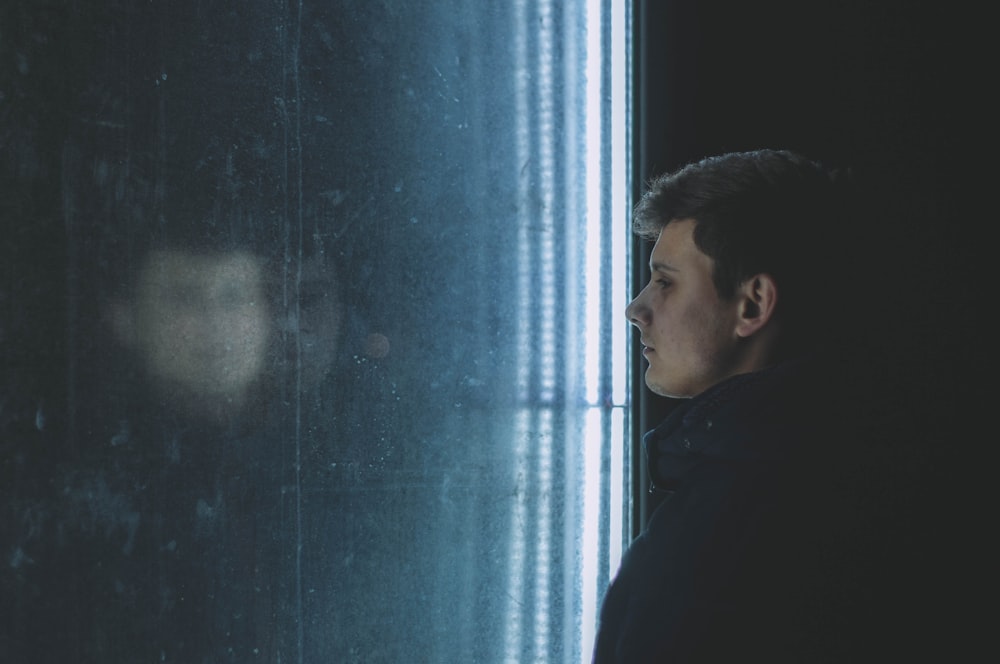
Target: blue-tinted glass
311 329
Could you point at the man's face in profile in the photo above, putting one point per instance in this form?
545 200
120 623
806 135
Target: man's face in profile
200 322
688 332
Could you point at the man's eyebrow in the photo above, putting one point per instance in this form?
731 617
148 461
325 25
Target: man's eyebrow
660 266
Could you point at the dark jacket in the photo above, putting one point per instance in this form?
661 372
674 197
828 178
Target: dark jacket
761 550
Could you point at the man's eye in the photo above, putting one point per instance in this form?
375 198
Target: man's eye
663 283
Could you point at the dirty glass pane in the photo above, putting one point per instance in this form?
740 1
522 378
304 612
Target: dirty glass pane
311 335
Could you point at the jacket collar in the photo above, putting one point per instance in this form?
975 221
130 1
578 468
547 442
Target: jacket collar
749 417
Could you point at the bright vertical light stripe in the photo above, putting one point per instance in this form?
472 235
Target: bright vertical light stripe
543 438
563 244
517 545
522 137
620 503
589 541
619 493
546 349
621 159
594 193
544 320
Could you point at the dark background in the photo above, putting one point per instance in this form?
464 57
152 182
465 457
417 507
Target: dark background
898 91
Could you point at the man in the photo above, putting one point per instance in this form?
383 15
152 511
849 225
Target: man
758 552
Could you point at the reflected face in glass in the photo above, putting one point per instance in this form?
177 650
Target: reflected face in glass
688 332
313 327
201 322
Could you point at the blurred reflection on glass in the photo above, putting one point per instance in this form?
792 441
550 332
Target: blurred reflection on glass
200 324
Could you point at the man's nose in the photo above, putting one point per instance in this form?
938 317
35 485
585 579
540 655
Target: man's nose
636 312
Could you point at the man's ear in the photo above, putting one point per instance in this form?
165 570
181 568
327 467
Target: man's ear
757 296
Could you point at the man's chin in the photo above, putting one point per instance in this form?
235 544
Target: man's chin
657 389
660 389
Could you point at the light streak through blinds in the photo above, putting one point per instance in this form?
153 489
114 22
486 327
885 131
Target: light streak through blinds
570 517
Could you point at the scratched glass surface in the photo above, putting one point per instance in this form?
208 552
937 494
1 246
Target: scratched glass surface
306 330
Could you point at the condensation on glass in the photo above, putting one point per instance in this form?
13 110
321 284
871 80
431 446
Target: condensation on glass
312 335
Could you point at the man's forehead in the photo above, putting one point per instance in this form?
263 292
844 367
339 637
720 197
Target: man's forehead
175 266
673 244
